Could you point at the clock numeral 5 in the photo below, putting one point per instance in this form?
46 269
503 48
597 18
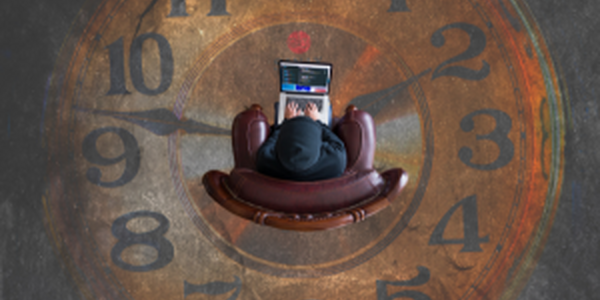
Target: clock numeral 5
131 155
214 288
217 8
421 279
153 238
471 238
117 65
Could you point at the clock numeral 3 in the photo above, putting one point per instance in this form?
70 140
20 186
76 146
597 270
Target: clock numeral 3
499 136
117 65
131 155
471 238
421 279
153 238
214 288
217 8
477 42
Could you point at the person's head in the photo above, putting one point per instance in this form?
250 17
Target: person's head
299 144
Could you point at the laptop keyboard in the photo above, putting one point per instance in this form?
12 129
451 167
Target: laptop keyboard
302 102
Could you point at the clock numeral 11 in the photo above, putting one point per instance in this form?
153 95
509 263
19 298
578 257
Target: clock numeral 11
217 8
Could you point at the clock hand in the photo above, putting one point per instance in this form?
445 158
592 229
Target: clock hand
374 102
160 121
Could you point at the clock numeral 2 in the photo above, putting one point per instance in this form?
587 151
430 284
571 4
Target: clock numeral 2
471 238
153 238
214 288
217 8
421 279
499 136
131 155
477 42
117 65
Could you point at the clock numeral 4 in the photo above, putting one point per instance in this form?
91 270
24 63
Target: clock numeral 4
471 238
117 65
154 238
131 155
421 279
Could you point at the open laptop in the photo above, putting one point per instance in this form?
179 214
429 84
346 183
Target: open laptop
304 82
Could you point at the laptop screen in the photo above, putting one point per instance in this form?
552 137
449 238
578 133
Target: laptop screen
302 77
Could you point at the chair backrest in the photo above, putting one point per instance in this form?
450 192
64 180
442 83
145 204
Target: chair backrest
304 197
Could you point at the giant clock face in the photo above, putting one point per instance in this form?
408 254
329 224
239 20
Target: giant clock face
464 95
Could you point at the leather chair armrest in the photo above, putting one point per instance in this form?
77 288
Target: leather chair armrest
357 130
249 131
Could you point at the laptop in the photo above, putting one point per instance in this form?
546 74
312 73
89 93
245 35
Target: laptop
304 82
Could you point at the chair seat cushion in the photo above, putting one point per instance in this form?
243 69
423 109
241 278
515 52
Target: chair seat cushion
304 197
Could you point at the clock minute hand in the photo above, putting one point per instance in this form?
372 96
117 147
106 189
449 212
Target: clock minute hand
374 102
160 121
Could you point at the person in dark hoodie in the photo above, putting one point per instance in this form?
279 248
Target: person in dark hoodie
302 148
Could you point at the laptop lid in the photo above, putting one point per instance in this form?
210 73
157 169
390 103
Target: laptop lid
304 77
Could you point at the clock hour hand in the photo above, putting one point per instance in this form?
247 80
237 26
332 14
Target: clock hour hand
160 121
374 102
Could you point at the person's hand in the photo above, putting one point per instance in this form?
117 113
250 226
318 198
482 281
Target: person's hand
291 110
312 111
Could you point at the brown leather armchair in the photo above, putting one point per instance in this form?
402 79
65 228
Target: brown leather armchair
358 193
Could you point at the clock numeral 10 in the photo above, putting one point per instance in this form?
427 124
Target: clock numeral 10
117 65
471 238
421 279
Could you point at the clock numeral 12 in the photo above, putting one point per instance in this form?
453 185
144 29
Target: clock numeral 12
117 65
471 238
421 279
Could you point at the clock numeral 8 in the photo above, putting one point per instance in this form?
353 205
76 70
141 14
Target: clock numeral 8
421 279
153 238
131 155
117 65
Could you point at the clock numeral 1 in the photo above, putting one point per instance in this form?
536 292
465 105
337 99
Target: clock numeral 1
117 65
154 238
471 238
217 8
214 288
398 5
421 279
131 155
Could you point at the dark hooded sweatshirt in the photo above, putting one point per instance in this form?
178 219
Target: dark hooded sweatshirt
301 149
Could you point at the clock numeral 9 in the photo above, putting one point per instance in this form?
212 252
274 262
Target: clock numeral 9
421 279
477 42
153 238
131 155
214 288
471 238
217 8
117 65
499 136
